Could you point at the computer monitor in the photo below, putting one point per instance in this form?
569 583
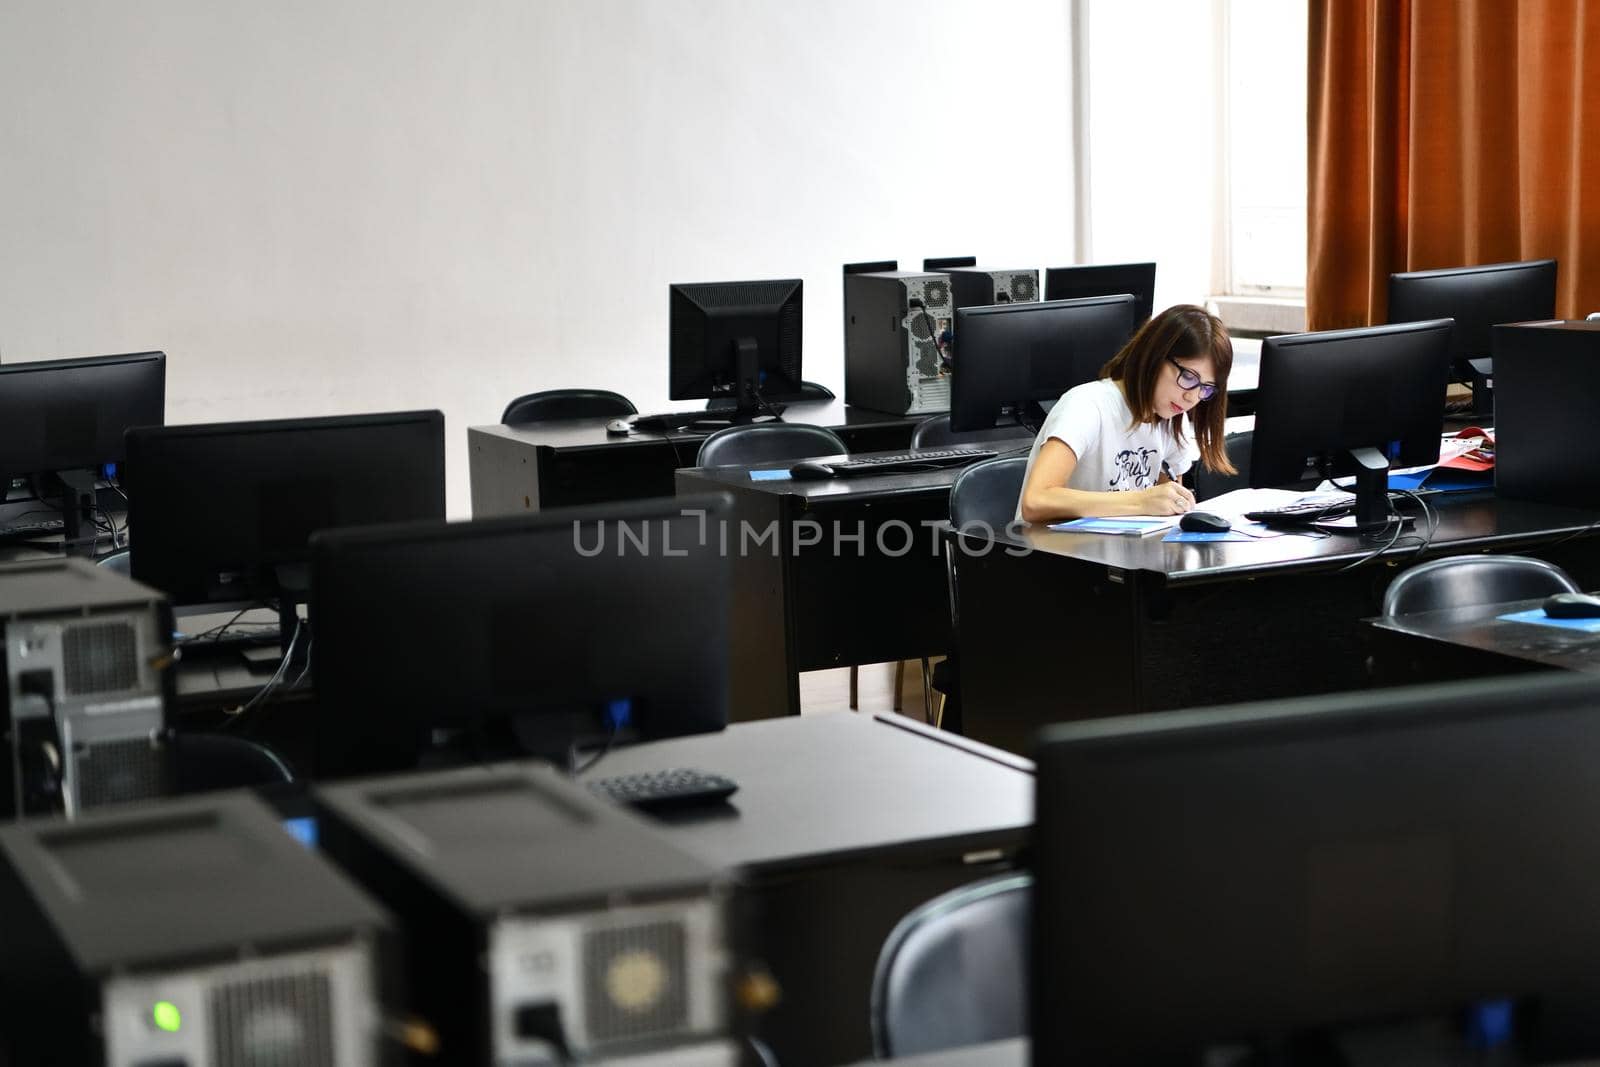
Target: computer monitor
939 263
1351 402
1254 874
62 421
1011 358
738 340
1477 298
522 635
222 513
1104 279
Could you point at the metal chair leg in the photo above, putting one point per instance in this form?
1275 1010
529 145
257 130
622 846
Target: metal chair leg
854 682
927 691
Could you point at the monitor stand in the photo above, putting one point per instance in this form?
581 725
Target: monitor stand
293 583
78 505
1372 493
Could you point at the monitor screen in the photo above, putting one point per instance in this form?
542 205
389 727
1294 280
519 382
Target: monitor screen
520 635
222 512
1010 358
1337 866
1477 298
738 340
70 414
1325 395
1096 279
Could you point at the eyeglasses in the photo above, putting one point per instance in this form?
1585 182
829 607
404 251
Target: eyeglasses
1188 379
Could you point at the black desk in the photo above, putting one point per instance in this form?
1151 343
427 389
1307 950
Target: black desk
853 572
1457 642
1012 1053
574 461
1083 626
842 824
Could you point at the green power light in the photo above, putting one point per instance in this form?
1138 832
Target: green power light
166 1016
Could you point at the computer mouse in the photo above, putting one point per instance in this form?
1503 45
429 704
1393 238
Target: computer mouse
619 427
1204 522
809 470
1572 606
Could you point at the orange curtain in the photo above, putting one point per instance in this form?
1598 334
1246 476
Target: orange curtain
1448 133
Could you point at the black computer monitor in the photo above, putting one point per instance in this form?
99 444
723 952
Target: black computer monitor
1258 873
522 635
222 513
1011 358
738 340
1104 279
1477 298
62 422
1343 402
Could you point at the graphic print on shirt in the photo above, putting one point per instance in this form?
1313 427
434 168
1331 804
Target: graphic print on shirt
1133 469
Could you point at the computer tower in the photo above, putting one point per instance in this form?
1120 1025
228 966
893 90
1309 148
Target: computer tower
543 925
894 324
87 657
1546 390
980 286
193 932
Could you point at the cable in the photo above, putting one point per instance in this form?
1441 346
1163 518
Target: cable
575 768
272 683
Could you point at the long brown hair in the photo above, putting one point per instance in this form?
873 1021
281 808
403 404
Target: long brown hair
1180 332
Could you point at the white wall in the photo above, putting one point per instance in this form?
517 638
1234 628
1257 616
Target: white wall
323 206
1154 141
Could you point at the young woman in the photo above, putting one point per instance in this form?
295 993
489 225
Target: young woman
1118 445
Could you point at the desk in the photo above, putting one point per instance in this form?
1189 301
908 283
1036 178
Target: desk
854 573
842 824
515 469
1083 626
1457 642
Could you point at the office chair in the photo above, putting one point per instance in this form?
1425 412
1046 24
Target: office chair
984 495
550 404
808 391
119 561
954 971
768 442
1208 483
935 432
1460 581
204 762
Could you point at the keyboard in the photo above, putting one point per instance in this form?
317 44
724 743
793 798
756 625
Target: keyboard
911 461
669 421
658 790
21 531
1303 513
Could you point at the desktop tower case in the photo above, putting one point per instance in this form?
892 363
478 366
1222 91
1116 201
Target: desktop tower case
193 932
1546 393
980 287
893 325
543 925
87 657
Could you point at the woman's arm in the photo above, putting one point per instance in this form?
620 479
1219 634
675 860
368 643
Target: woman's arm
1046 498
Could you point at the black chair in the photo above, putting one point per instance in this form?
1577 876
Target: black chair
119 561
548 404
1208 483
935 432
1461 581
808 391
768 442
204 762
954 971
984 497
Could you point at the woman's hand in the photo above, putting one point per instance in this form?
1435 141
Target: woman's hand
1166 498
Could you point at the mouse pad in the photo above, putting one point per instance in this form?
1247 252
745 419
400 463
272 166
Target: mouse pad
1539 618
1198 537
779 475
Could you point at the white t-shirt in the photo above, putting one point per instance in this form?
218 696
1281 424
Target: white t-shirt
1093 420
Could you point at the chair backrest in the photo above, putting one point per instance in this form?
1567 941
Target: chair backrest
988 492
120 561
203 762
935 432
954 971
768 442
566 404
1460 581
1208 483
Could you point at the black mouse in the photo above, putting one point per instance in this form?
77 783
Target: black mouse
1204 522
1572 606
810 470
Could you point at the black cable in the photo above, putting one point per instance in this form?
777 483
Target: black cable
575 768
